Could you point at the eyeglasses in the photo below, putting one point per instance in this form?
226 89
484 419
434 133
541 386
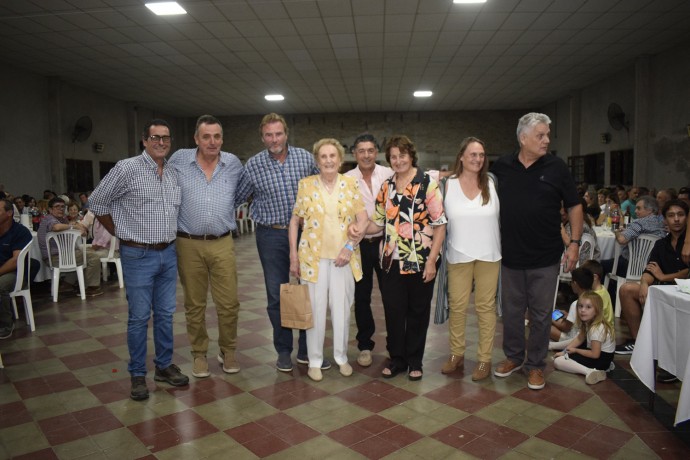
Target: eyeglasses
155 138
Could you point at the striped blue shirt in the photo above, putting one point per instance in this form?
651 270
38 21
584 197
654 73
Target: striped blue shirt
143 205
208 207
274 184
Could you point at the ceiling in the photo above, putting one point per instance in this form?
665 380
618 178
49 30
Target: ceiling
335 55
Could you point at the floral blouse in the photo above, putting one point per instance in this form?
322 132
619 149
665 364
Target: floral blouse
310 207
409 221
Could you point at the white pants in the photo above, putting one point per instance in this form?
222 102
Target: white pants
335 287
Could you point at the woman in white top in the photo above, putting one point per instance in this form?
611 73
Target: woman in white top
473 254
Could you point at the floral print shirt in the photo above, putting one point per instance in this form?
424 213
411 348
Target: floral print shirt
409 221
310 207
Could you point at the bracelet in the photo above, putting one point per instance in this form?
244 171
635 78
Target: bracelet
578 242
349 246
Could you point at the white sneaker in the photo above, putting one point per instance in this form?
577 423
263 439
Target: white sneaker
345 370
595 376
314 373
364 359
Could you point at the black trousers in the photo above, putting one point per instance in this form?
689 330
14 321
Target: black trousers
363 314
407 306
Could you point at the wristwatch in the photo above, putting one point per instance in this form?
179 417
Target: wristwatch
578 242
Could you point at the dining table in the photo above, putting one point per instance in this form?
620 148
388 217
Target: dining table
663 336
35 253
606 241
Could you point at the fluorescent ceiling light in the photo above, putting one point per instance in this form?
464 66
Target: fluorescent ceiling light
274 97
166 8
422 94
469 1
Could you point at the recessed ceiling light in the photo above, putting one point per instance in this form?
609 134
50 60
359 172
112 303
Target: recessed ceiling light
469 1
422 94
166 8
274 97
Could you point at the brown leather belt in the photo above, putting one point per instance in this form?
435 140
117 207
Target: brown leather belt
202 237
374 239
154 246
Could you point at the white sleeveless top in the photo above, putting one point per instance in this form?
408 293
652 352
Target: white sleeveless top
473 229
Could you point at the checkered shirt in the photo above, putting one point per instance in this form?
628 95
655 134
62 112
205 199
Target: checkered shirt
144 205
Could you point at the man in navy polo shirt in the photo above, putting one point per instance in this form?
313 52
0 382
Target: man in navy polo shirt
532 183
13 238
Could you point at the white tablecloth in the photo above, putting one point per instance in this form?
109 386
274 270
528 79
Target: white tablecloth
665 335
606 241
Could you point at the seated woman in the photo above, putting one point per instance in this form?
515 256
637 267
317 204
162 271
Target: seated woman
73 214
612 204
326 259
592 207
586 228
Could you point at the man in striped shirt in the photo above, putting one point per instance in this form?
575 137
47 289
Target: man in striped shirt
138 202
208 178
271 178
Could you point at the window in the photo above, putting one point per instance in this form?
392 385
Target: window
79 175
622 167
104 168
588 168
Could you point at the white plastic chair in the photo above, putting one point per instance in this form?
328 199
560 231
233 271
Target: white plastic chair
66 242
640 248
114 258
24 273
587 245
242 218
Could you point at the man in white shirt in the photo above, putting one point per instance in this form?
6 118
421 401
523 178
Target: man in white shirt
370 177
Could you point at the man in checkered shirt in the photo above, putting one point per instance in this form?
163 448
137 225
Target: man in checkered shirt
138 201
271 178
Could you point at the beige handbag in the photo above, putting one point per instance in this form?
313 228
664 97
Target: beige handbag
295 305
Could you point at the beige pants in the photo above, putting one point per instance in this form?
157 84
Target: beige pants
460 277
92 272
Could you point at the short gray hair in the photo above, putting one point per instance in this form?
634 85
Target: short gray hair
649 202
531 120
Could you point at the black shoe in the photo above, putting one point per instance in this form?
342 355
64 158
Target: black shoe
172 376
6 331
139 389
626 348
665 376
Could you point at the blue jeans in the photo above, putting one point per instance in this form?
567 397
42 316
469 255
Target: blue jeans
151 281
274 252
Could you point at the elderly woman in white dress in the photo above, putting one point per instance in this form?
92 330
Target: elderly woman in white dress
326 259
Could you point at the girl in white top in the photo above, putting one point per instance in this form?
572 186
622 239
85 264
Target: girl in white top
597 334
473 254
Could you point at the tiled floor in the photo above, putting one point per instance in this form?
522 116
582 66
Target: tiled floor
64 393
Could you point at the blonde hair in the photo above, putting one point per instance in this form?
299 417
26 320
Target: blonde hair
272 118
598 304
328 141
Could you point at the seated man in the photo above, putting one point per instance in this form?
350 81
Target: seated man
664 265
13 238
56 221
648 222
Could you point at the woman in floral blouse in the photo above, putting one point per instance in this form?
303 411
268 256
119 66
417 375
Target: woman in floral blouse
326 259
410 208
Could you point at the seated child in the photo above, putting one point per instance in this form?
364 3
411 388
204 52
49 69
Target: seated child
595 267
562 331
594 330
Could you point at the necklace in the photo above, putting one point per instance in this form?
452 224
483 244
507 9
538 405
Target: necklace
401 184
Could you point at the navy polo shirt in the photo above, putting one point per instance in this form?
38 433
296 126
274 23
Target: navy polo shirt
530 209
13 240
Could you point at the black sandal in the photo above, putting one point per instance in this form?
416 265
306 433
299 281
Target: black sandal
394 370
417 377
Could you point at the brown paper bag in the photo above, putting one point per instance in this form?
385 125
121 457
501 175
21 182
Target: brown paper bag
295 306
